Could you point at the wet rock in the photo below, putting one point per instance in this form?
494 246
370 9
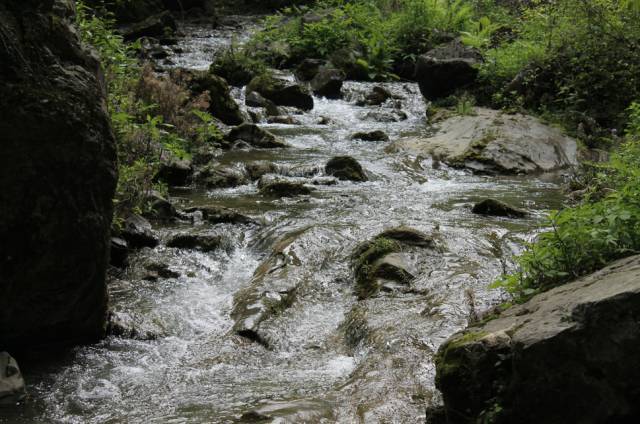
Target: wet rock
283 188
219 215
393 267
175 172
324 181
408 236
256 170
159 207
256 136
328 83
365 258
285 120
123 325
221 105
138 233
119 252
157 25
345 168
495 207
12 387
385 116
494 142
281 92
297 411
58 161
308 69
589 329
215 176
376 97
159 270
272 290
254 99
202 242
446 69
377 135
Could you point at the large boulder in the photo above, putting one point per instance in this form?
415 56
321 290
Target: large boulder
58 179
569 355
12 388
493 142
447 68
281 92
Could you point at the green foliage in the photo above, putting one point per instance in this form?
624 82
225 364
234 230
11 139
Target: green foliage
147 114
465 105
587 237
573 58
377 33
238 65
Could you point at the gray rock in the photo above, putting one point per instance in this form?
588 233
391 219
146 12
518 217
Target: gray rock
383 115
328 83
159 207
495 207
138 233
393 267
202 242
494 142
220 215
254 99
256 136
446 69
274 187
12 387
408 236
308 69
376 97
281 92
175 172
119 252
567 355
220 177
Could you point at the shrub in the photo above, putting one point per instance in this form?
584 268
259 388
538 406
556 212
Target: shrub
587 237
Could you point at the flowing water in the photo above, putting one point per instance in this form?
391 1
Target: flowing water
326 356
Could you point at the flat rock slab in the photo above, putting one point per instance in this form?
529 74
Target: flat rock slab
567 355
494 142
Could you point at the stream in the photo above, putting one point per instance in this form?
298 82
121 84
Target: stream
327 356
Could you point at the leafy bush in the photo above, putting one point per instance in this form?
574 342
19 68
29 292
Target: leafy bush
587 237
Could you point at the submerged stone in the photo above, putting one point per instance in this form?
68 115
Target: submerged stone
495 207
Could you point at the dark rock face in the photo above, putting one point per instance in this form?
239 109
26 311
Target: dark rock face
202 242
376 97
495 207
283 188
345 168
58 179
447 68
175 172
569 355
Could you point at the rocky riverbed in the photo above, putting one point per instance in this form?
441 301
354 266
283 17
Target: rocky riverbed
254 312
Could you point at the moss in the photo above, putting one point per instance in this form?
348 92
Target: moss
364 258
448 360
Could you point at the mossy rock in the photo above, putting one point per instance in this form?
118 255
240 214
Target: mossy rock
407 235
365 260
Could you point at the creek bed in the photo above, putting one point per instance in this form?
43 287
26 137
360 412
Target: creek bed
330 356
